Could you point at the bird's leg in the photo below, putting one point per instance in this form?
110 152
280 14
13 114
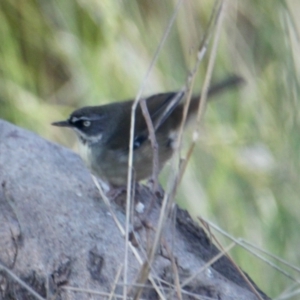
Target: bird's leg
118 194
156 194
115 192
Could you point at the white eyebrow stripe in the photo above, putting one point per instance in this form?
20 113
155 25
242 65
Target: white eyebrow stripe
83 118
75 119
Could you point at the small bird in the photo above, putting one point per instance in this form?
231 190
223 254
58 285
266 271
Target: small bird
104 133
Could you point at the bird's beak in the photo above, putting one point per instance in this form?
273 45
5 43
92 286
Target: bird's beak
62 124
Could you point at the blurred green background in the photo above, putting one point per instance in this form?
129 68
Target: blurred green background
56 56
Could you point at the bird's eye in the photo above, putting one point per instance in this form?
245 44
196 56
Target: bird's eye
86 123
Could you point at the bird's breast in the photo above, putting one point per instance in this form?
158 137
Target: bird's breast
85 152
112 165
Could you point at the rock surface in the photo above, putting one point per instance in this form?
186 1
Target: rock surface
56 233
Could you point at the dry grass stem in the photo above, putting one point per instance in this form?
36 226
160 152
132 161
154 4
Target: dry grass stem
112 293
130 158
241 243
166 205
208 264
253 289
286 263
21 282
122 231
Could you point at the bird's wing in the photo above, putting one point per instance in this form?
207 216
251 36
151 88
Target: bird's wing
167 102
160 107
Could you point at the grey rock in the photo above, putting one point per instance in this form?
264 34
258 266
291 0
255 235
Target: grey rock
56 232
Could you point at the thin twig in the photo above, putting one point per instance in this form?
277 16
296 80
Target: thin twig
297 269
251 286
88 291
208 264
153 141
175 271
21 282
201 52
217 13
112 293
131 140
288 295
211 63
241 243
168 196
119 296
122 231
144 273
